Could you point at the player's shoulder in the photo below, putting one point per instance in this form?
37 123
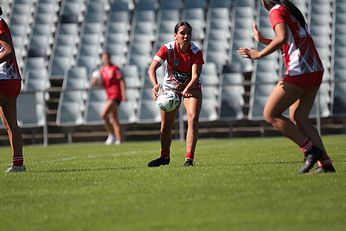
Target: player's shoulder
278 8
194 48
3 23
169 45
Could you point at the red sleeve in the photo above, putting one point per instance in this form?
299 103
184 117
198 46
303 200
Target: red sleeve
2 26
276 16
161 55
117 73
198 58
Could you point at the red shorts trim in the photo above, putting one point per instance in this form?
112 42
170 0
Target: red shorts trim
10 88
306 81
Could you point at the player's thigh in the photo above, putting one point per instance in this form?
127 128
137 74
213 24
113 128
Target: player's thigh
114 111
193 104
3 99
303 107
9 113
282 97
107 108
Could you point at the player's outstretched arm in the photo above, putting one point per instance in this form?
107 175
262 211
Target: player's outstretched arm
258 36
152 75
275 44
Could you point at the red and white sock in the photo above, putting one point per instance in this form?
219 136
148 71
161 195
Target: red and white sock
165 154
189 155
306 146
18 160
324 161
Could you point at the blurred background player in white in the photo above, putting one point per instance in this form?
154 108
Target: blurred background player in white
110 77
298 88
184 65
10 85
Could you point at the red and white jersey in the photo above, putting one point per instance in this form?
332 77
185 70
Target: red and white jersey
299 53
179 65
111 76
9 69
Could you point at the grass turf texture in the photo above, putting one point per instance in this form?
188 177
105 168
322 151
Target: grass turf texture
237 184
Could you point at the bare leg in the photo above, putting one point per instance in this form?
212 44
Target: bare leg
167 122
281 98
193 108
8 113
107 108
299 114
115 122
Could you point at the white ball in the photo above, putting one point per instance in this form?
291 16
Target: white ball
168 101
96 74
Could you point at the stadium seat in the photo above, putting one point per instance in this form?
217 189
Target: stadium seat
339 101
31 109
148 111
95 101
208 110
76 78
40 46
220 3
59 67
170 5
258 98
131 76
36 80
70 109
209 74
231 106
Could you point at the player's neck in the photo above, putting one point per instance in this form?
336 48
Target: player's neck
183 47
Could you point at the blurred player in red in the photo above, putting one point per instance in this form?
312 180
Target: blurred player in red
298 87
111 78
10 84
184 65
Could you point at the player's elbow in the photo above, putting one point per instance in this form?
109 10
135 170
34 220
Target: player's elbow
281 40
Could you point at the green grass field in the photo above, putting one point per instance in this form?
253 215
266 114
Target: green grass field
237 184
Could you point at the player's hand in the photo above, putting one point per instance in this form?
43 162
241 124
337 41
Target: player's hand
124 98
156 91
256 34
186 94
249 53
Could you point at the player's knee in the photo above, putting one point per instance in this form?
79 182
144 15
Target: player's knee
192 120
268 116
192 117
104 116
299 120
165 129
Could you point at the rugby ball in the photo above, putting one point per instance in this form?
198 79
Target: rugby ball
96 74
168 101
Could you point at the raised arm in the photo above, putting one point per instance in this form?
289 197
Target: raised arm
258 36
279 40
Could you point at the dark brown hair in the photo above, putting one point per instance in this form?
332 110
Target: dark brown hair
182 23
0 10
268 4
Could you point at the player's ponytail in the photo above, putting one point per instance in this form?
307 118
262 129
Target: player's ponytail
268 4
0 11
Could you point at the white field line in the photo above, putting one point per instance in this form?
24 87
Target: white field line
91 156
